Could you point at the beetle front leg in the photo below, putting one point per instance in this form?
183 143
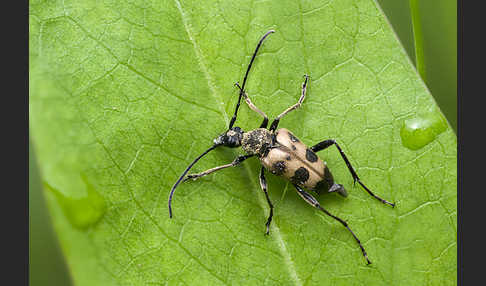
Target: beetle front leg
253 107
275 122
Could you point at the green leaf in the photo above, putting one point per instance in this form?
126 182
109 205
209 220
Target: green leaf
124 95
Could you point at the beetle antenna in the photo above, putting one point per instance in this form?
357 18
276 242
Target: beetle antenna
233 119
184 173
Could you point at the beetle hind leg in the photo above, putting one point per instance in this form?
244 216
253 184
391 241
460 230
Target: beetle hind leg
313 202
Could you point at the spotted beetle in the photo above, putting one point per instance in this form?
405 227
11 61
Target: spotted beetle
281 153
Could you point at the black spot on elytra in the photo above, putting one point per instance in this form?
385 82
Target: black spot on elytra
288 158
293 138
279 168
293 148
301 175
310 156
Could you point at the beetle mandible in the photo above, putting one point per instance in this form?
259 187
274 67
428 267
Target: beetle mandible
281 153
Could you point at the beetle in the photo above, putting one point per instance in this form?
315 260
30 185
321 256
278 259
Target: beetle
282 154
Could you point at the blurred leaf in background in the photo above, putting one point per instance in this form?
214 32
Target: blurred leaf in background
46 262
438 20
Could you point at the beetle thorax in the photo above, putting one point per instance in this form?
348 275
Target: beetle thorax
256 141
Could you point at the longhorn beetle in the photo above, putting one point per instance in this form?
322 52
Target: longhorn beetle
281 153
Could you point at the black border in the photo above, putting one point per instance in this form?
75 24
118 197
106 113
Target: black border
470 142
15 133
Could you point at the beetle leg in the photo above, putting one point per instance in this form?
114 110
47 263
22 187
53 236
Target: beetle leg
326 143
253 107
263 184
235 162
295 106
312 201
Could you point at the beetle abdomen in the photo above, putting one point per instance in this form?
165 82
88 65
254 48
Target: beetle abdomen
293 160
326 183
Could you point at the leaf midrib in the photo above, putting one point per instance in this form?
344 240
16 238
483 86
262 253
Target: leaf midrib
276 235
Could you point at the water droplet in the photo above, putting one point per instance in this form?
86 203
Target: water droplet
81 212
421 130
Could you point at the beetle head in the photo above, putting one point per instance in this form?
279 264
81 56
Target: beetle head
231 138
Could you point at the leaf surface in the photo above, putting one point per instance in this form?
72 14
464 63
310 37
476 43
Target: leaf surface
124 95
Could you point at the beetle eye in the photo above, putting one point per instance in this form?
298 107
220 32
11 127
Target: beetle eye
219 140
